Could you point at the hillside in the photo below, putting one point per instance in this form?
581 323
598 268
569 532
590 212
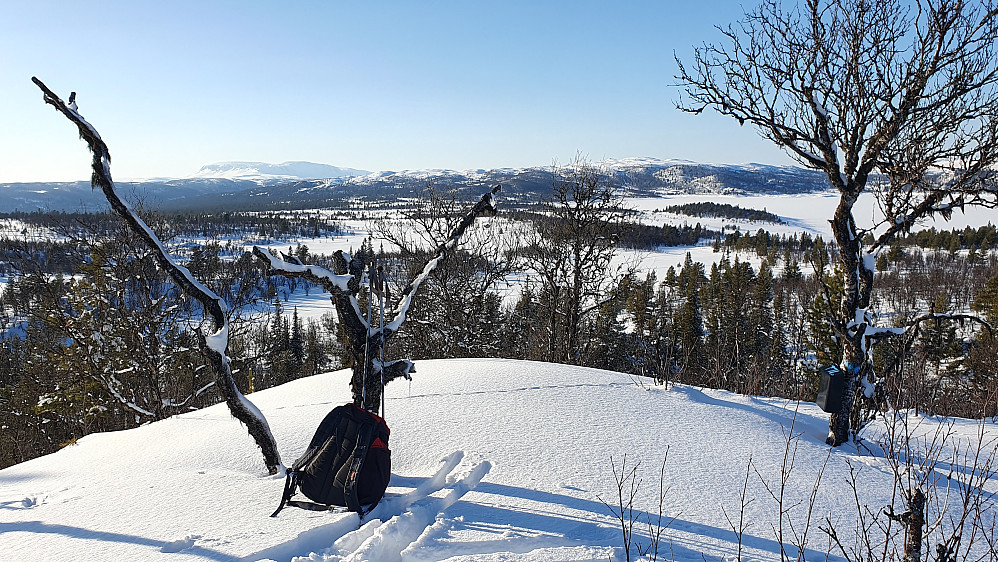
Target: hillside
234 186
637 177
492 460
165 193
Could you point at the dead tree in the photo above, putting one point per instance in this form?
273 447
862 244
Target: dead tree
366 342
213 345
893 97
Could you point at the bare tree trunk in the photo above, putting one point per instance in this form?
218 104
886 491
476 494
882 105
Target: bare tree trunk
855 298
553 322
914 526
214 346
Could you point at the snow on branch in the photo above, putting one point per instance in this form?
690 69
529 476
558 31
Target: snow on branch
344 285
214 344
914 325
101 177
313 273
484 207
291 267
343 288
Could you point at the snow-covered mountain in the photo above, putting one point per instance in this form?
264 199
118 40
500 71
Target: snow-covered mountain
653 176
263 172
494 460
210 181
79 196
638 177
254 185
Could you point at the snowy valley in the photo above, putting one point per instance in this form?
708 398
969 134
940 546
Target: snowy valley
622 358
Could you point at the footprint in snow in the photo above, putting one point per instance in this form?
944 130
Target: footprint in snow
26 503
179 545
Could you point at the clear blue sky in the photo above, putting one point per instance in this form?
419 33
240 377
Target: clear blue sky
376 85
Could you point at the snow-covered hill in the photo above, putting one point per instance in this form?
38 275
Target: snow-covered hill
493 460
208 183
637 177
256 185
263 172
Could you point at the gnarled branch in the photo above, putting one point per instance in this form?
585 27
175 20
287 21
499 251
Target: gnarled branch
343 284
213 345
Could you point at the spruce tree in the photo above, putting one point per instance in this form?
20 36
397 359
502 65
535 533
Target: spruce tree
688 322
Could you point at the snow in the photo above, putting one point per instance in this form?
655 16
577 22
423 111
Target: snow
218 341
870 262
492 460
809 212
20 230
311 306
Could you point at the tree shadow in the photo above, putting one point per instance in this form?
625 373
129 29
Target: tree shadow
12 478
586 529
89 534
782 416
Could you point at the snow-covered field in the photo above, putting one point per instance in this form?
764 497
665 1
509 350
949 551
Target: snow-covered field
808 212
804 213
493 460
16 229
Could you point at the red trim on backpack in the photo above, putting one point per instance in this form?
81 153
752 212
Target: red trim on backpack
370 413
378 444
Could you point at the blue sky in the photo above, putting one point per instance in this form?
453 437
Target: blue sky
374 85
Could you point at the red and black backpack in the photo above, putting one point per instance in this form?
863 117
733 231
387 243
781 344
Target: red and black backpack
346 464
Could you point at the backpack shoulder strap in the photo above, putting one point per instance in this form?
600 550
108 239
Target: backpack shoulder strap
356 463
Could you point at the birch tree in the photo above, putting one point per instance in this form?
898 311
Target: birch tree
572 250
894 98
463 319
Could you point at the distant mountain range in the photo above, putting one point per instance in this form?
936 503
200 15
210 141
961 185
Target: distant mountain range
295 185
262 172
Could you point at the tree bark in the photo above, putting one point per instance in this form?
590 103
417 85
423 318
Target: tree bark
855 297
914 527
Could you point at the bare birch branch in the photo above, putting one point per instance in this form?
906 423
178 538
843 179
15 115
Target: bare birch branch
344 284
213 345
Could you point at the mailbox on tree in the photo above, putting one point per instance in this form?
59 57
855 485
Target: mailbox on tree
831 388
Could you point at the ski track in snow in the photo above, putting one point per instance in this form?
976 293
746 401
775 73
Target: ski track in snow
395 523
385 540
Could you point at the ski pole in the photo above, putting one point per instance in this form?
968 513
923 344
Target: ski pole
381 327
367 339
